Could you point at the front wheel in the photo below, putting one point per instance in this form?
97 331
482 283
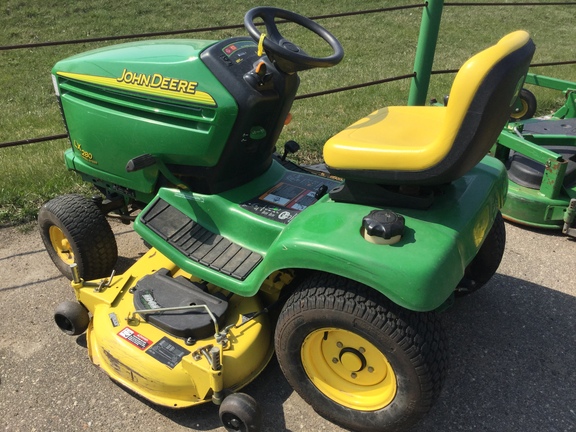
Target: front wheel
74 230
358 359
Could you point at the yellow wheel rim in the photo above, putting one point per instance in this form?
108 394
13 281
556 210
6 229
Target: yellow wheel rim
61 244
348 369
521 112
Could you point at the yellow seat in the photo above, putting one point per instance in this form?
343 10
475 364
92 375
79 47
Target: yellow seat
419 145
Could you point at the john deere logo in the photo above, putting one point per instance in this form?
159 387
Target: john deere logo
151 84
157 81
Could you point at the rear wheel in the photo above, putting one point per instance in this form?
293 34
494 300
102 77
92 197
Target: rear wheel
74 230
359 360
487 260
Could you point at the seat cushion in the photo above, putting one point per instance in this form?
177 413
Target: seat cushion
393 138
435 145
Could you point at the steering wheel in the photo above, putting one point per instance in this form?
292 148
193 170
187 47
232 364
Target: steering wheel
287 56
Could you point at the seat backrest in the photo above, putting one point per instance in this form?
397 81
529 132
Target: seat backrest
481 101
460 135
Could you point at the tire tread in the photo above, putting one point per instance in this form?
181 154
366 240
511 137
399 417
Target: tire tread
83 224
418 334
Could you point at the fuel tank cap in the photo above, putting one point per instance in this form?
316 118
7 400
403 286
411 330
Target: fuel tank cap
382 227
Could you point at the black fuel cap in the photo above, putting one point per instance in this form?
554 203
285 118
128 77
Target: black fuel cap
383 223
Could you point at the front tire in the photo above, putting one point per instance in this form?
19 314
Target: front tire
358 359
74 230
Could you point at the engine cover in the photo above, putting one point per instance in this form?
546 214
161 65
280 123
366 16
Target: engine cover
186 102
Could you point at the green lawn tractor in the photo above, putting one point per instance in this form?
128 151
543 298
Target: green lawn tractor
341 276
540 156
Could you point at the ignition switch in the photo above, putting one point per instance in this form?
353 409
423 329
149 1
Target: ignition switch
259 77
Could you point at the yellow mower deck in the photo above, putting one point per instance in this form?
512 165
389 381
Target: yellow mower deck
162 368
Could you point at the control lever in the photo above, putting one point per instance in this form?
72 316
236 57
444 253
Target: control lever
290 147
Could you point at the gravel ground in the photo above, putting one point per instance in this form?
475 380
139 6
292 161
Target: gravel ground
512 352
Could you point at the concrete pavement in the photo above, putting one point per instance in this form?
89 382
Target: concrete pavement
512 352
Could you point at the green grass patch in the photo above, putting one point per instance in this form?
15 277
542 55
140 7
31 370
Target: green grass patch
377 46
31 175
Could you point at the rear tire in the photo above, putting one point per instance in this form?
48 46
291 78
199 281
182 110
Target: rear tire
74 230
358 359
486 262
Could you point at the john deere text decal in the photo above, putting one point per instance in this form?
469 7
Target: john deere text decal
152 84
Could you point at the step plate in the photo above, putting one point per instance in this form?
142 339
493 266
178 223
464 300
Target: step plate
199 244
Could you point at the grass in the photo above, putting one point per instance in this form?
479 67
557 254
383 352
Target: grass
377 46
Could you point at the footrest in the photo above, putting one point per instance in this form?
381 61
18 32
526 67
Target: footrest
198 243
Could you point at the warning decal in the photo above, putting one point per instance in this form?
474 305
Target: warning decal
167 352
293 194
135 338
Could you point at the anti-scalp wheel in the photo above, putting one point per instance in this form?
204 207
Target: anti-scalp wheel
240 412
72 318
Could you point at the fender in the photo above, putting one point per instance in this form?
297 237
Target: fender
420 272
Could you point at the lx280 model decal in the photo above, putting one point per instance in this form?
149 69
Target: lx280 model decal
152 84
85 155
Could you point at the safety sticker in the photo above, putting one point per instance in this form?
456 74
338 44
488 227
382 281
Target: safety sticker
293 194
135 338
167 352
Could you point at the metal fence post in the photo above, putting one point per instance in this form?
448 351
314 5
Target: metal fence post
427 38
